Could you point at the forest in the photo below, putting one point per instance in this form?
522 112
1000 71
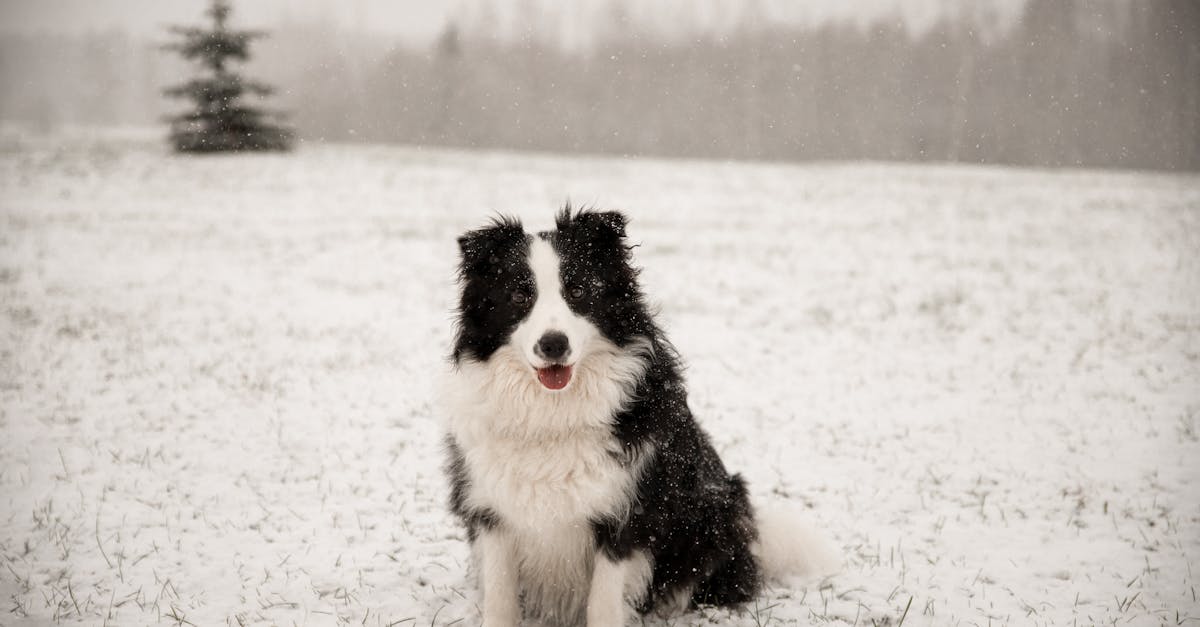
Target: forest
1094 83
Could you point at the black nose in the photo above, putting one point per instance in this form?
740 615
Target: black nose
553 345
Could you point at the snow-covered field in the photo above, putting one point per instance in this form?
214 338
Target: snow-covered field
216 373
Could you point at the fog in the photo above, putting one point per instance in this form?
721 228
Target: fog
1108 83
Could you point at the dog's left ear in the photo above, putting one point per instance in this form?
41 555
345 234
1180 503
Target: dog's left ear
601 225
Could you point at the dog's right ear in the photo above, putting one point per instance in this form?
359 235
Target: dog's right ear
469 245
485 244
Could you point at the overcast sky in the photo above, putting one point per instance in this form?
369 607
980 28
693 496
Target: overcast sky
421 20
407 18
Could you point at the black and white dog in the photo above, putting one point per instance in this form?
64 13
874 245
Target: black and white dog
581 475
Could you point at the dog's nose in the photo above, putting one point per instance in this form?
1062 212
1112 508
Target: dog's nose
553 346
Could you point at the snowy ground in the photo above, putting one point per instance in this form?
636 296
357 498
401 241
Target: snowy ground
215 378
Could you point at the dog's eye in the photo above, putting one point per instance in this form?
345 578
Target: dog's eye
576 293
520 298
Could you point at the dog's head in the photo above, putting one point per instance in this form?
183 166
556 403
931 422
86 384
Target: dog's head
556 297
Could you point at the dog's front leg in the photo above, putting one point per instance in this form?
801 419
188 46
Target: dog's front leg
606 598
498 578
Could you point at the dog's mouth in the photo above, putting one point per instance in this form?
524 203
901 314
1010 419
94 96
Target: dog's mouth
554 377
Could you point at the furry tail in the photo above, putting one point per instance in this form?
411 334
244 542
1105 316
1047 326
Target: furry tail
789 545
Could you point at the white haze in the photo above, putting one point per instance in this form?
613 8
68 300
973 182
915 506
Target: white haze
418 22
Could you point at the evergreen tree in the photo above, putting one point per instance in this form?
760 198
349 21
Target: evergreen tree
219 121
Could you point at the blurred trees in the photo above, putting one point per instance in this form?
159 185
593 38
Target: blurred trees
220 120
1073 83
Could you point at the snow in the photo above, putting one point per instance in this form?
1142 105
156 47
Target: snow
216 375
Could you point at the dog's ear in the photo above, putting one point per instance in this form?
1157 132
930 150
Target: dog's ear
612 221
470 244
598 226
486 243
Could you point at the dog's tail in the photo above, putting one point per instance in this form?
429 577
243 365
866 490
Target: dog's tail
790 545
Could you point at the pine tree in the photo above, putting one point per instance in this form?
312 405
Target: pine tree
219 121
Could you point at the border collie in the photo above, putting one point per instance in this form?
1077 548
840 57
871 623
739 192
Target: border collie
583 480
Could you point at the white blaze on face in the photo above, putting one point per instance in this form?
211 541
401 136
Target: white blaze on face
550 311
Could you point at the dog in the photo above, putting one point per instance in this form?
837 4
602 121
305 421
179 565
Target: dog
586 486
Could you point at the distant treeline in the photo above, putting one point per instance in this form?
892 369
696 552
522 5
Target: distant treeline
1074 82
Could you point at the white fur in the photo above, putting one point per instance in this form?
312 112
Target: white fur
639 573
545 460
789 545
606 601
498 576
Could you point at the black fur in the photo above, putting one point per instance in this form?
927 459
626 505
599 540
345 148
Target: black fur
691 516
595 259
493 270
475 519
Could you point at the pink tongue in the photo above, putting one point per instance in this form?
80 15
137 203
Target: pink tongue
555 377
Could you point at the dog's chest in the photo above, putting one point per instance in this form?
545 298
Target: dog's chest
541 460
543 484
